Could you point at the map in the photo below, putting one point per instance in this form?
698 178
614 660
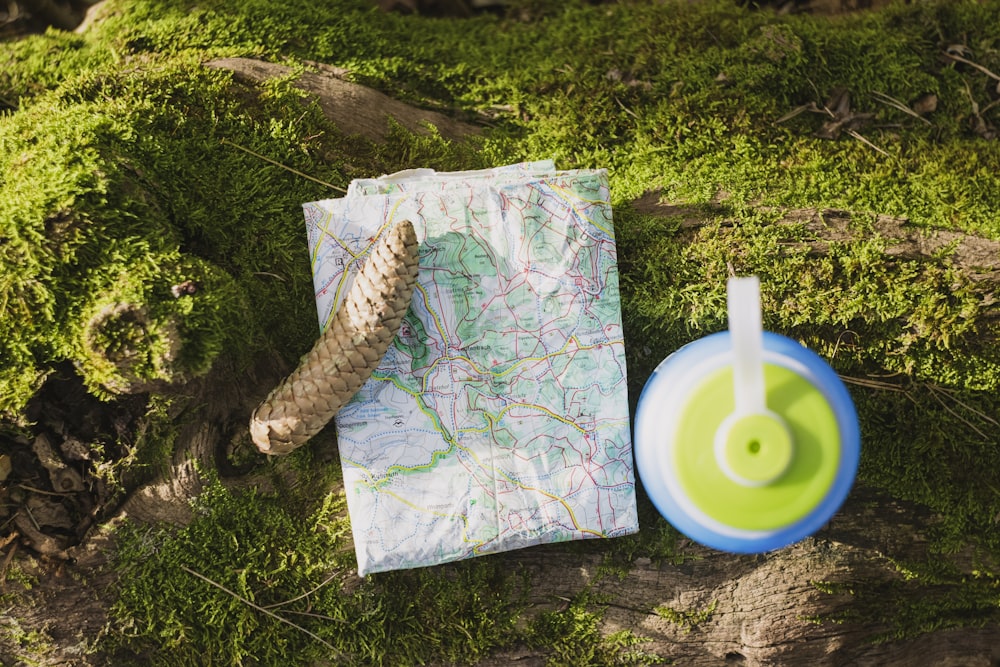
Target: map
498 418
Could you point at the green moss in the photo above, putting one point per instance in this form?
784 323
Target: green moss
35 648
934 446
657 107
925 599
690 106
689 619
572 637
117 190
288 555
31 66
148 453
851 303
157 322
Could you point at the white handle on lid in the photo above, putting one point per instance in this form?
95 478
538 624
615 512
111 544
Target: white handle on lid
746 331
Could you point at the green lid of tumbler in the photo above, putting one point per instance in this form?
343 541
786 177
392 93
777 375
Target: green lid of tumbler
766 470
755 449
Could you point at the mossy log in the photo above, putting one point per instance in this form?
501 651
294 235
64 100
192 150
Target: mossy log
905 574
830 600
826 601
354 108
798 606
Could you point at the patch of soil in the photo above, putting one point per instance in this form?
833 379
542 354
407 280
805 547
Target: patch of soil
56 474
20 17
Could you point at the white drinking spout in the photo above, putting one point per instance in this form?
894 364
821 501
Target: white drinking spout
753 445
747 334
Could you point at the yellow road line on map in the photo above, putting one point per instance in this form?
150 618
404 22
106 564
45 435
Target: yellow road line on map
426 510
344 275
484 371
401 469
324 230
453 443
561 501
520 362
444 515
491 418
431 415
465 520
434 315
336 298
499 415
572 516
380 487
567 197
541 409
435 457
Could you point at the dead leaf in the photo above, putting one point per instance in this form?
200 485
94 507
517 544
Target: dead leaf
842 119
75 449
982 127
839 101
925 104
615 74
48 513
797 110
977 123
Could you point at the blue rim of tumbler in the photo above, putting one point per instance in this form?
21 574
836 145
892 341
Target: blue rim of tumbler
654 424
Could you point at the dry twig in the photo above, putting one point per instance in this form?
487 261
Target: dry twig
336 652
283 166
896 104
974 65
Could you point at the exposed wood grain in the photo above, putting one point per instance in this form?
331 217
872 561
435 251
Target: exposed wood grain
354 108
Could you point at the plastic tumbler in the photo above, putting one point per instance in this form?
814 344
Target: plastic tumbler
745 440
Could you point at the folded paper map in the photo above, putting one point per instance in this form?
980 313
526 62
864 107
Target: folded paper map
498 418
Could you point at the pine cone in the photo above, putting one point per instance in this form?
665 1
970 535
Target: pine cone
347 352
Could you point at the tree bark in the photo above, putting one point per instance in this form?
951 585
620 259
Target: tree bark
356 109
765 609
